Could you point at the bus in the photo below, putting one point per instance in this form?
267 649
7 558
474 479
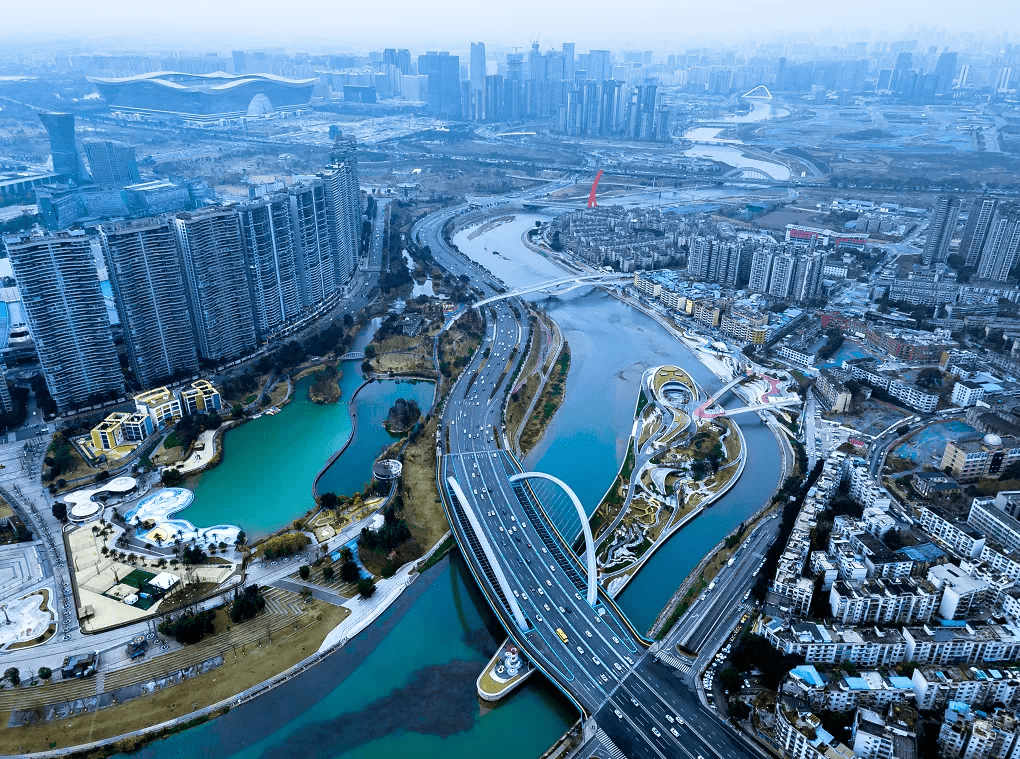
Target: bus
563 635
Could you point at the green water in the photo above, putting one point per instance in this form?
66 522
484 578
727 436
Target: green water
264 481
404 688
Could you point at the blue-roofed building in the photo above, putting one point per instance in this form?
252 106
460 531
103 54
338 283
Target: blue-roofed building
926 553
808 674
840 692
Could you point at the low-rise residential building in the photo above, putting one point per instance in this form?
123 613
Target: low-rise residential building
881 561
874 738
961 644
838 691
913 396
833 394
800 734
959 537
864 488
1005 561
905 392
745 328
966 734
834 644
883 601
935 687
801 355
967 393
961 593
791 590
998 526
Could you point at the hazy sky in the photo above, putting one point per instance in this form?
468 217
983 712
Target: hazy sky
363 24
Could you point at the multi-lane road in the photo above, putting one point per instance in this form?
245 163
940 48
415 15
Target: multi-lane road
535 585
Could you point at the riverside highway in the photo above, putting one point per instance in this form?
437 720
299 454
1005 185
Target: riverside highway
533 582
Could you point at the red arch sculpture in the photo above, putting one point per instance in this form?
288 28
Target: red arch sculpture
592 202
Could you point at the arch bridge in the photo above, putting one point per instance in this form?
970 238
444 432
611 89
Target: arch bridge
562 285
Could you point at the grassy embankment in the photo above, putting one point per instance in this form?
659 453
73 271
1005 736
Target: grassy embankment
519 401
243 667
400 354
549 401
325 387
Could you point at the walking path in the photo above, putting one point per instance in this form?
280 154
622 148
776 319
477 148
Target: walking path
204 450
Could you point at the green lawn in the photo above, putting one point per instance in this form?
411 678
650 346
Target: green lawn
171 441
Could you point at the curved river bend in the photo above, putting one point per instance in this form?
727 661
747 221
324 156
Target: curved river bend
405 687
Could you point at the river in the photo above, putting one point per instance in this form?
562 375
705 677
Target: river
611 345
264 481
406 686
709 145
403 688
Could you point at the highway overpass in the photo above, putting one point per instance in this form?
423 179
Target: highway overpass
540 591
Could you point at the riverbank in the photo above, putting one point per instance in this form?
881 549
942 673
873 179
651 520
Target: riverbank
244 665
548 403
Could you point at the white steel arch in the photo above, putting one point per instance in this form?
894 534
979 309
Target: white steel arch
497 570
589 541
575 281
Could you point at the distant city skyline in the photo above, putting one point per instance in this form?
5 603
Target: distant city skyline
191 24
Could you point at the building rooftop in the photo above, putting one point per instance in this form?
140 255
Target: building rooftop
155 397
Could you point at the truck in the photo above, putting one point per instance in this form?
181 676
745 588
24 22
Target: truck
711 585
730 563
562 635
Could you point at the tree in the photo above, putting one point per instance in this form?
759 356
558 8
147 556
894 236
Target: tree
247 604
14 676
60 510
349 572
305 571
739 710
45 673
327 574
906 669
328 500
346 555
730 678
366 587
189 627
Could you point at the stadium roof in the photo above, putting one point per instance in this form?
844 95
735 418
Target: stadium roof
217 80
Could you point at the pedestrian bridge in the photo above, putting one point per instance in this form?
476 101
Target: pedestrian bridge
702 412
559 286
353 356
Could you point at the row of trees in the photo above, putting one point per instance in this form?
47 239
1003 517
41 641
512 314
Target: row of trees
350 572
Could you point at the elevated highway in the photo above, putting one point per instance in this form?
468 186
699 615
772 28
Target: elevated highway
543 595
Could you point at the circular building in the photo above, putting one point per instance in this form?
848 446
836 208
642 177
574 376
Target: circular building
84 512
387 469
